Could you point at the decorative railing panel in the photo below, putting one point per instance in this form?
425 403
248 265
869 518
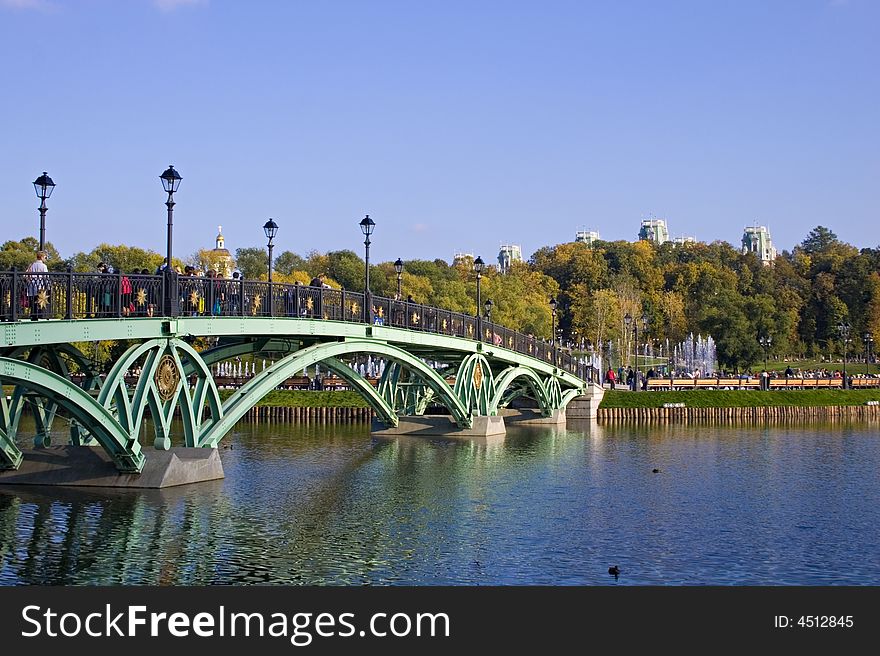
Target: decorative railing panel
70 295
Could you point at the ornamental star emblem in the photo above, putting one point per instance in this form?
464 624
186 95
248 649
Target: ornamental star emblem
141 297
510 342
380 311
309 304
354 308
488 334
42 299
443 323
530 349
256 303
478 376
470 331
194 298
415 318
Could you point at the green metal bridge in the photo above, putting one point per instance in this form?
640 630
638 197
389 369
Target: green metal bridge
471 366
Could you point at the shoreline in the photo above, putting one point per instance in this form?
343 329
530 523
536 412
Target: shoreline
741 414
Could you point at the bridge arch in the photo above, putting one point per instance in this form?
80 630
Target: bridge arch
474 384
532 379
244 398
110 434
146 393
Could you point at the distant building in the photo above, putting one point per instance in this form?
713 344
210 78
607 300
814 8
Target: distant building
681 241
458 258
221 258
756 239
508 254
654 230
587 236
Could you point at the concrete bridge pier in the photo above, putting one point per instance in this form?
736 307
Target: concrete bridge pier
84 466
586 406
525 416
440 426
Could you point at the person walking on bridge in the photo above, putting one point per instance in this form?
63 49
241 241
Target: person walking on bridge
38 286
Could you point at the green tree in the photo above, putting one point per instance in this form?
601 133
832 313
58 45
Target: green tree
121 257
287 263
253 262
21 254
819 240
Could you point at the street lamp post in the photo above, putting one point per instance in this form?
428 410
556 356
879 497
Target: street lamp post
367 226
44 188
843 329
628 320
765 341
479 266
398 266
869 348
488 306
553 306
645 337
271 229
170 182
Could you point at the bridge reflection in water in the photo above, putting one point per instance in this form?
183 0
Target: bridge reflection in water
545 505
473 368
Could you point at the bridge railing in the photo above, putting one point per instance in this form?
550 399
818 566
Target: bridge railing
72 295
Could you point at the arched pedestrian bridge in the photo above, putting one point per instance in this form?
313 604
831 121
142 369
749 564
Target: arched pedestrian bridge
434 357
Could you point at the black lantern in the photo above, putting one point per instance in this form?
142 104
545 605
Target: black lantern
843 330
479 267
367 226
488 306
398 266
44 188
553 306
271 229
170 182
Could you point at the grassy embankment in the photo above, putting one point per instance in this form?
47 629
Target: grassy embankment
738 398
307 399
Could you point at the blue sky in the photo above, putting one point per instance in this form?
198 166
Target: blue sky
455 125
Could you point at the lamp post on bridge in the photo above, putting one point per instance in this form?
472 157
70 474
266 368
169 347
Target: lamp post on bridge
843 329
553 306
398 266
270 228
44 188
868 338
367 226
170 182
488 306
479 267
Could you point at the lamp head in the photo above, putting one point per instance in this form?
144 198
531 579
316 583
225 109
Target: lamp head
44 186
367 225
271 229
170 180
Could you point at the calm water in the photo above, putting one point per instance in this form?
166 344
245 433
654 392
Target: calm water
778 505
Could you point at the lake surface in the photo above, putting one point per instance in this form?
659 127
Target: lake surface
779 504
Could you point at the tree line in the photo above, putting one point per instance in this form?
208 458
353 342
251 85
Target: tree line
711 289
